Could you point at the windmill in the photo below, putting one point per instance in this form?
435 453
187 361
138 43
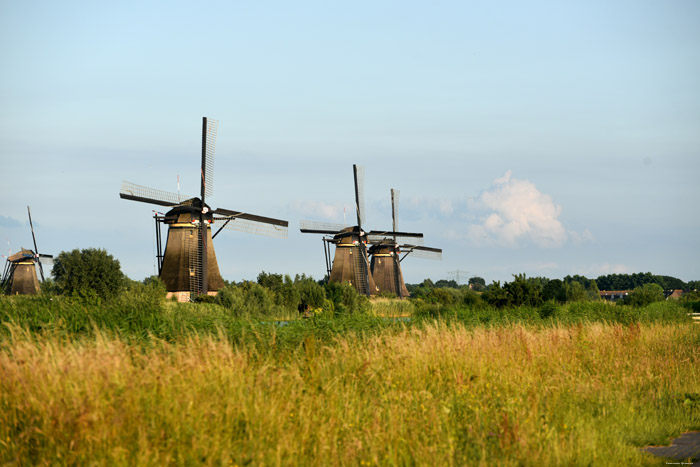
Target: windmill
19 276
386 254
189 267
351 261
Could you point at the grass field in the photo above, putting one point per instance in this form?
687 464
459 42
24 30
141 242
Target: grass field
356 390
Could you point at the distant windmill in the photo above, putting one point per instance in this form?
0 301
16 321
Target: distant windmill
189 263
386 252
19 276
351 262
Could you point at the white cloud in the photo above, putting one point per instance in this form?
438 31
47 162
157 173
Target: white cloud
579 238
516 210
318 209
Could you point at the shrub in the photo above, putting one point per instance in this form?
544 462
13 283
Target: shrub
310 292
555 289
548 309
645 295
523 291
345 299
575 292
443 296
88 272
496 295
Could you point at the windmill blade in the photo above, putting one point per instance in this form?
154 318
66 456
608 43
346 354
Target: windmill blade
250 217
254 227
395 209
425 252
378 236
373 238
210 129
359 175
36 250
251 223
325 228
144 194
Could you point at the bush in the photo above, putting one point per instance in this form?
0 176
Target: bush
523 291
645 295
548 309
345 299
310 292
88 272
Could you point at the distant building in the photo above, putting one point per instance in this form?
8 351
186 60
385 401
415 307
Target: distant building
614 295
673 294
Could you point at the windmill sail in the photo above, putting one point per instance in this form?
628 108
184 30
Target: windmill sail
210 129
144 194
350 263
189 263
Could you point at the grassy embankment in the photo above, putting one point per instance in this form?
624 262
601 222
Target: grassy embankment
135 383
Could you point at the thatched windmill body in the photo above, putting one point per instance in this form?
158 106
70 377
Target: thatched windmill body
189 267
351 261
386 254
19 276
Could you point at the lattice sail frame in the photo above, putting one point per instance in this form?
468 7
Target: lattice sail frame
418 251
361 193
151 195
212 130
250 226
374 238
321 226
395 209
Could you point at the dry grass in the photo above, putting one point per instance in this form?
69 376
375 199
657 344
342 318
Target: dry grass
580 395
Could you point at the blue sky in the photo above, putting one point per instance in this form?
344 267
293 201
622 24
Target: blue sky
549 138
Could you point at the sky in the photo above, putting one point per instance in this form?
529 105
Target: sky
546 138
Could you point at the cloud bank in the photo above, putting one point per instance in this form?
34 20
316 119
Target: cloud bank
515 210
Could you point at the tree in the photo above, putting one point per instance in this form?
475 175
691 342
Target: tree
575 292
524 291
88 271
554 290
496 295
593 291
645 294
444 283
477 283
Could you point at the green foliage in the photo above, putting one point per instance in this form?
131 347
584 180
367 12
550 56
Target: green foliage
88 272
645 294
555 290
632 281
548 309
478 283
310 292
523 291
345 299
575 292
444 283
496 295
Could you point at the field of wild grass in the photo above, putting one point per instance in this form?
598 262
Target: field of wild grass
140 382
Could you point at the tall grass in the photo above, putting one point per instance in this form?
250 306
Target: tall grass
586 394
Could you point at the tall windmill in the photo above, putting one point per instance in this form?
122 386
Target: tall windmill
351 261
19 276
189 263
386 254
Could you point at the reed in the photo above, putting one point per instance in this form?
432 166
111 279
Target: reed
435 394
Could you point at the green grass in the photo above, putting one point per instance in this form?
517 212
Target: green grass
139 381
